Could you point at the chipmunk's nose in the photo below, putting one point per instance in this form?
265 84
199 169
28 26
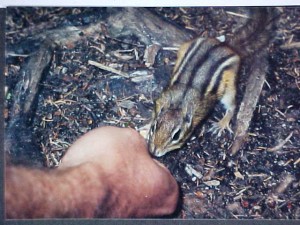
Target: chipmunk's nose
152 150
156 152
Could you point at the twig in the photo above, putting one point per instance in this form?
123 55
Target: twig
297 161
107 68
284 184
237 14
97 48
290 45
280 145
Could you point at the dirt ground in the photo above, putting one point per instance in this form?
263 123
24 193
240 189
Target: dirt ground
260 182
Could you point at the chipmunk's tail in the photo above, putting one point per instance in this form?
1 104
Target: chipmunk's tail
257 33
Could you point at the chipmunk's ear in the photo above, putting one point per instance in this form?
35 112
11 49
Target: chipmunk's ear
161 104
187 115
188 119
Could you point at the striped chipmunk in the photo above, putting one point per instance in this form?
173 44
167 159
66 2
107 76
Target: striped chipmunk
205 72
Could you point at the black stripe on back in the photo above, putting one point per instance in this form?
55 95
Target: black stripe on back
198 65
212 71
185 55
217 83
203 59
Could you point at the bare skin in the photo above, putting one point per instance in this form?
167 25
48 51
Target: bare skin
108 172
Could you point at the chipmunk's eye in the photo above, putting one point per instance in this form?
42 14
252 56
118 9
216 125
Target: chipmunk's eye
176 135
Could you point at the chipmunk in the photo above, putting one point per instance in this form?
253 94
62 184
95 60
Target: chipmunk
205 72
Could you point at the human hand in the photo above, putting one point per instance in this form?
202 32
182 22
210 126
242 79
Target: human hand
105 173
138 185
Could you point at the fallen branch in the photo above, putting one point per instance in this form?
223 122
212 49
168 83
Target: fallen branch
253 89
19 139
147 26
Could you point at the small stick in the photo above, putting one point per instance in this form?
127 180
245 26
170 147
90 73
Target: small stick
290 45
297 161
237 14
284 184
97 48
280 145
107 68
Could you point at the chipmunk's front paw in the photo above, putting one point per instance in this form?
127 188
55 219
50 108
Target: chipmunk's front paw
220 126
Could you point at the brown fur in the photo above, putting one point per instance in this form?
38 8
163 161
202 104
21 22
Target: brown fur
257 33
